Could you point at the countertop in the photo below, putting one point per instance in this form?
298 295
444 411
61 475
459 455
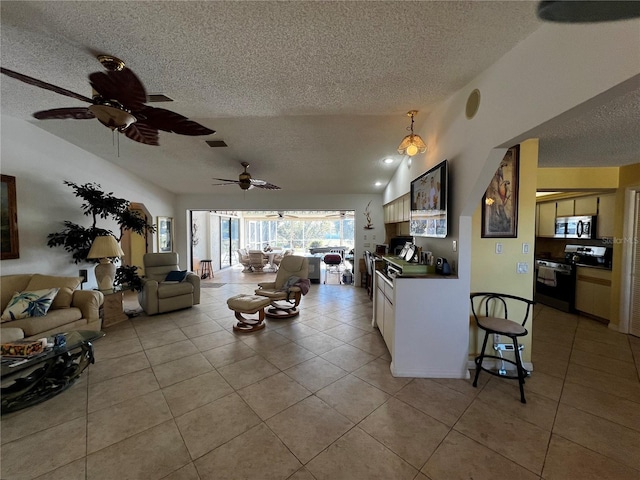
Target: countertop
597 267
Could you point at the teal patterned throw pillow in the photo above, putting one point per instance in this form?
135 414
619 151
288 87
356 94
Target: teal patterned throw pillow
29 304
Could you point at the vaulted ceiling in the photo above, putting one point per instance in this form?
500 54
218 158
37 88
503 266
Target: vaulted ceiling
312 94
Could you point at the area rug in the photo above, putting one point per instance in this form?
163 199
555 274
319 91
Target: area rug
211 285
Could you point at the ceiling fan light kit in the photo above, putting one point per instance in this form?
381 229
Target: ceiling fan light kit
578 11
113 117
412 144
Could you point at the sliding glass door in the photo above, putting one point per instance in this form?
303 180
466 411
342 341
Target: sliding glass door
229 241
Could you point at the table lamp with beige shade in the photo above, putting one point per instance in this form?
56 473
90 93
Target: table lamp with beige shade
105 248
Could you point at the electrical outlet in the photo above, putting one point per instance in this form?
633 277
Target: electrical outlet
523 267
454 245
367 245
525 248
498 248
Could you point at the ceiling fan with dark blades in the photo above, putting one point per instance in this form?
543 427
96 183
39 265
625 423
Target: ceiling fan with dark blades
119 103
246 182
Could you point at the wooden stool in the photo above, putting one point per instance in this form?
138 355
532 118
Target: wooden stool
248 304
207 272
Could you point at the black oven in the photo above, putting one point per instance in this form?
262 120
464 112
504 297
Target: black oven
555 284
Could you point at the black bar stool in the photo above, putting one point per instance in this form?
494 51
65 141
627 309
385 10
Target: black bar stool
205 266
493 305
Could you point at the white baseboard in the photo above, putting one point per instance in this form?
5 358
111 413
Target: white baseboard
430 373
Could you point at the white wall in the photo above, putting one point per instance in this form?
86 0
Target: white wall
41 162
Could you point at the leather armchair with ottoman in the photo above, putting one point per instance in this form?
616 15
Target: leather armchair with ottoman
292 281
160 292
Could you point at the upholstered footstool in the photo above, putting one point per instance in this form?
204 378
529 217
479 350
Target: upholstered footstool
248 304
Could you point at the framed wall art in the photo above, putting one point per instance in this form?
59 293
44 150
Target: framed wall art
9 218
165 234
500 201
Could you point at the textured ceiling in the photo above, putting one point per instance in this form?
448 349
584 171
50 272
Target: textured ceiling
312 94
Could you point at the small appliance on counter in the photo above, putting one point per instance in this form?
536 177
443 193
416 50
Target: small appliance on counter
442 266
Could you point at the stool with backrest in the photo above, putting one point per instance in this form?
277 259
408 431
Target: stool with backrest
490 311
333 261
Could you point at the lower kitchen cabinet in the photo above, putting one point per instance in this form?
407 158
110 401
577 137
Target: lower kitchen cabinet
422 336
593 291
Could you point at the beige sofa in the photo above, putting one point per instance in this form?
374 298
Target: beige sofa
71 309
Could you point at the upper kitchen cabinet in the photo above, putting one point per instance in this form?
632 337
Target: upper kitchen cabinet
565 208
602 205
546 219
606 211
398 210
586 205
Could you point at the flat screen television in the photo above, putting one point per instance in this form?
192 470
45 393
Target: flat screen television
429 193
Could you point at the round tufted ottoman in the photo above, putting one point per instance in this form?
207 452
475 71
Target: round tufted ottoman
248 304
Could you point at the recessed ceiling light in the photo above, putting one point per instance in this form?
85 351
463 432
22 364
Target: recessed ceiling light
377 184
387 160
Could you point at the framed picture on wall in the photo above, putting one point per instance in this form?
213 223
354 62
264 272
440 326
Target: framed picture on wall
165 234
500 201
9 218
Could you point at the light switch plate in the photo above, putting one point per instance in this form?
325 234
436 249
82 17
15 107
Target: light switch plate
498 248
455 245
525 248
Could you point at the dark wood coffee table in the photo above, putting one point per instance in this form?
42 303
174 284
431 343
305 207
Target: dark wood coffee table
33 380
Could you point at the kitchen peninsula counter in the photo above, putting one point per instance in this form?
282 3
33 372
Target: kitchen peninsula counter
424 338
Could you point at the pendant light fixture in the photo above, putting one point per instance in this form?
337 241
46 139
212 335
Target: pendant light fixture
412 144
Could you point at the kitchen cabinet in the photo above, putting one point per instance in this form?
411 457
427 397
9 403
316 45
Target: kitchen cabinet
565 208
586 205
385 314
398 210
606 213
547 219
417 326
593 291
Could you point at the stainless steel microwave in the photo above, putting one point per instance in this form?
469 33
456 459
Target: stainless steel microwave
576 227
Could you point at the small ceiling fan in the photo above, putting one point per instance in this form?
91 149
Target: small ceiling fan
342 214
281 215
118 103
246 182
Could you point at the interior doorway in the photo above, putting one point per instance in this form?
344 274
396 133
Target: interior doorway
218 235
133 244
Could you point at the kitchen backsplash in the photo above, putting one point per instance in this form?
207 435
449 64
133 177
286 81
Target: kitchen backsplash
554 247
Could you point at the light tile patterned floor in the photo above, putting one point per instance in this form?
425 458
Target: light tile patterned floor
180 396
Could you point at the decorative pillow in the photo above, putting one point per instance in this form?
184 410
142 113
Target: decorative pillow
176 276
29 304
66 285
